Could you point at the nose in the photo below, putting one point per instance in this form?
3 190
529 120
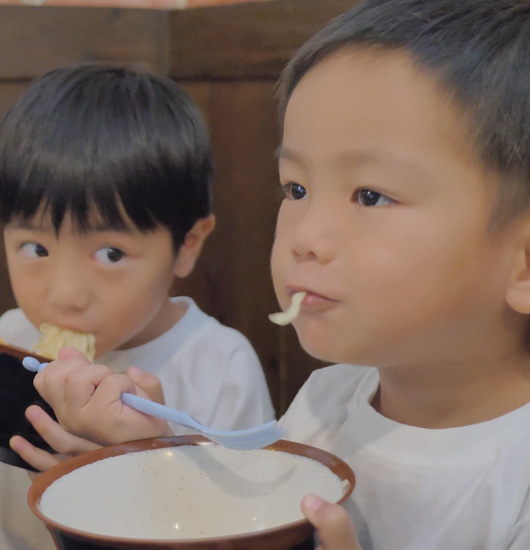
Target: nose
313 236
68 288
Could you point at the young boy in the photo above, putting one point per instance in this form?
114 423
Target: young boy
405 161
105 198
407 221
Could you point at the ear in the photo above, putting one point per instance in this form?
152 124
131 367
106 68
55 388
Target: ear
192 245
518 290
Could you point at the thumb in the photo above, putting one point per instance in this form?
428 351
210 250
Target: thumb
334 527
148 383
69 352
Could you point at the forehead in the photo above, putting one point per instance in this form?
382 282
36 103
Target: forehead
371 99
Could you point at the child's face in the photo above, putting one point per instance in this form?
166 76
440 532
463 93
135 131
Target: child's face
113 284
386 219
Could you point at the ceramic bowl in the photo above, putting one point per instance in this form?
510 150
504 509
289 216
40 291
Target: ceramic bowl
187 492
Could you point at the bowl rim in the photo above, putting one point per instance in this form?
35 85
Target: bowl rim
338 466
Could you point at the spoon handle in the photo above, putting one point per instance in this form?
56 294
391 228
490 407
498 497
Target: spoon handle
33 364
161 411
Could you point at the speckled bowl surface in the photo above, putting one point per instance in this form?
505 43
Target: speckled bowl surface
186 492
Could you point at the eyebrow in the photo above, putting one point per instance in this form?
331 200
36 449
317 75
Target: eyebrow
360 156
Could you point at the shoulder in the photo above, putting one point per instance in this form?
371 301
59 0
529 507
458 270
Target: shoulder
324 402
16 329
12 316
207 336
213 366
201 350
224 353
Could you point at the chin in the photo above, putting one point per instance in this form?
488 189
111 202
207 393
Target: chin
323 347
320 348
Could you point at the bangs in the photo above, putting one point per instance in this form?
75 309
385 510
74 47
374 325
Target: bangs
110 196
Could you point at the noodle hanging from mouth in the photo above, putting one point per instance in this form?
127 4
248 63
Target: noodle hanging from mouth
53 338
286 317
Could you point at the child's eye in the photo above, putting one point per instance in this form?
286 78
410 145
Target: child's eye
294 191
109 255
33 250
369 197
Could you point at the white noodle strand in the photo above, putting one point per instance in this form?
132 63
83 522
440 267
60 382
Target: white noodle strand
286 317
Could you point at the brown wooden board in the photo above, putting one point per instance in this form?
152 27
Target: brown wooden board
36 39
253 40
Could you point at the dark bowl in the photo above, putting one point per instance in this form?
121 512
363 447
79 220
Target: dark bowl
17 393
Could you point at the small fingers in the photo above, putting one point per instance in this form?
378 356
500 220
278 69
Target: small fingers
148 383
334 527
122 423
69 352
38 458
68 384
55 435
63 442
50 381
92 401
81 384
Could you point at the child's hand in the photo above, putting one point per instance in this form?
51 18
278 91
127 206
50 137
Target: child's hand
86 400
148 383
64 443
334 527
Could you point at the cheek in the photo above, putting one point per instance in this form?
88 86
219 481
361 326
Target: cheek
279 254
428 289
276 262
139 292
26 289
30 299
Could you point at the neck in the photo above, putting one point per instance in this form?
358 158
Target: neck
458 394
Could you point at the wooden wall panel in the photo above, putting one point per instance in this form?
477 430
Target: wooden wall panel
247 40
34 40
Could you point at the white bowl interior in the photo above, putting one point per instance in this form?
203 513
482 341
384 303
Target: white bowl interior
189 491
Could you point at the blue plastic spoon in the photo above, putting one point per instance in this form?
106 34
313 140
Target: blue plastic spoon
249 438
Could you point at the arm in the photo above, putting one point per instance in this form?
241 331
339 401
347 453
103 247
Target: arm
86 400
334 527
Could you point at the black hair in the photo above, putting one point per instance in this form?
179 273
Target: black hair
479 52
112 140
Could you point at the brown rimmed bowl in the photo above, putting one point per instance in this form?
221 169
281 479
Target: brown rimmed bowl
108 497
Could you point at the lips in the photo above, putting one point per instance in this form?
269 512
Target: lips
313 301
72 328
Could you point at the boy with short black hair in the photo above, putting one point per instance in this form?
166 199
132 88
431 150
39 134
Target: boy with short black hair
105 198
405 163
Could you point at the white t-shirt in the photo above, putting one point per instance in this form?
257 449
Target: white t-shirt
465 488
206 369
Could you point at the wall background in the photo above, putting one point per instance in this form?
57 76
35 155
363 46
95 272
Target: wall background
150 4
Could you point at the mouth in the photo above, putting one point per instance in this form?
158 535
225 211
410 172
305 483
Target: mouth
313 301
53 338
68 327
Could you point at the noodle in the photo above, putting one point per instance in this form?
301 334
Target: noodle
53 338
286 317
